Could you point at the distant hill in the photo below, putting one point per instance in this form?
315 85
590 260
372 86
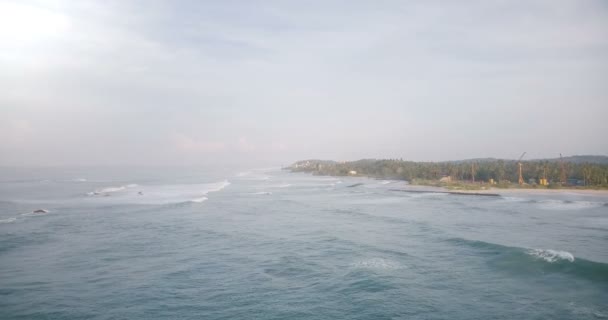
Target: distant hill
595 159
582 159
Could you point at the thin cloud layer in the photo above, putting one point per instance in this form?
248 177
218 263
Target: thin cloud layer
187 82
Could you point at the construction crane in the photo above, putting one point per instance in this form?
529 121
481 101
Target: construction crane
521 178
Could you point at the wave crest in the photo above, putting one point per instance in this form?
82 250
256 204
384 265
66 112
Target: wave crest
536 261
551 255
8 220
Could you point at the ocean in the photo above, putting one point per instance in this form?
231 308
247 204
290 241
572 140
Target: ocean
262 243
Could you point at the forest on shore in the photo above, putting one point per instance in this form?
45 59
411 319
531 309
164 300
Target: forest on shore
585 171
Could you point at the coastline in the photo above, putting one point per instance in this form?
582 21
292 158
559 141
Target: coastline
405 186
506 191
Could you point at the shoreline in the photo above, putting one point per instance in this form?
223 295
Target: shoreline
504 191
406 186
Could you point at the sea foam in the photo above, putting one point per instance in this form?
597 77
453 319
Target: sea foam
8 220
111 189
551 256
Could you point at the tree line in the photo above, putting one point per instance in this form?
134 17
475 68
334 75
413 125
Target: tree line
501 171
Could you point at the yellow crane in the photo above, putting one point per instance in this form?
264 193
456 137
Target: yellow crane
521 178
543 181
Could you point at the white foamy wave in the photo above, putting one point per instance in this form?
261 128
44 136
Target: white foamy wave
199 200
386 181
215 187
39 212
262 193
551 255
159 194
377 263
243 174
112 189
212 187
8 220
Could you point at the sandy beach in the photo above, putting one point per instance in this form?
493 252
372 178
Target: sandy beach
501 191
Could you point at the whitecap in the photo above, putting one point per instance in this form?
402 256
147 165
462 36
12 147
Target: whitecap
218 186
8 220
262 193
551 255
199 200
111 189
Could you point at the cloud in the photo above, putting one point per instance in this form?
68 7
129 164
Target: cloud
422 80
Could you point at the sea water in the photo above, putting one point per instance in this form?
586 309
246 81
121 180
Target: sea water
218 243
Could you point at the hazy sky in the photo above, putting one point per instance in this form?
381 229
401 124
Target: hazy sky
187 82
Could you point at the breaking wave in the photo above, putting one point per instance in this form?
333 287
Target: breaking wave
8 220
159 194
551 255
536 261
111 189
39 212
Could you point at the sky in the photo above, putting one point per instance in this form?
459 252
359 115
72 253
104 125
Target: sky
150 82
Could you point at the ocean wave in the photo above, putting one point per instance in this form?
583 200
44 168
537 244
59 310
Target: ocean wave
536 261
8 220
556 204
376 263
218 186
159 194
551 255
111 189
567 204
38 212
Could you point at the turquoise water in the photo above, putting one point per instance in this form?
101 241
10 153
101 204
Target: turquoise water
268 244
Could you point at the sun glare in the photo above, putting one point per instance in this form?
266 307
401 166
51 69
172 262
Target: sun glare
26 24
